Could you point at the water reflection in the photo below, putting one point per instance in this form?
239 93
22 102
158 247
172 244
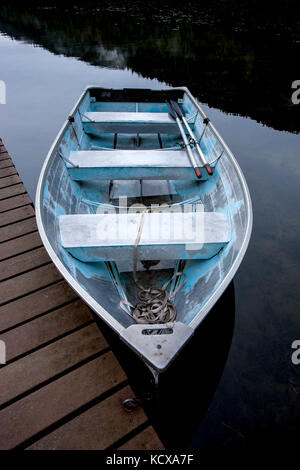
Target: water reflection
221 60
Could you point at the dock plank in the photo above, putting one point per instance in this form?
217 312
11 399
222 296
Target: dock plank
10 191
3 154
17 229
146 440
32 414
58 363
6 163
14 202
28 282
35 304
43 329
16 215
9 180
8 171
20 245
34 369
97 428
24 262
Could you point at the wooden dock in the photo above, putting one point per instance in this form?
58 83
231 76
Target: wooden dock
61 387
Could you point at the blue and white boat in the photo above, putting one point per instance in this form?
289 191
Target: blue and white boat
145 212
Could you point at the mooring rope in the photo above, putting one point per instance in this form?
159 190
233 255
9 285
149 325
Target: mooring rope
155 305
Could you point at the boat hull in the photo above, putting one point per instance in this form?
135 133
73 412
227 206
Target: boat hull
98 284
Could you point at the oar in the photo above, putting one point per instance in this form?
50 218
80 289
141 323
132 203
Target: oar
181 116
194 164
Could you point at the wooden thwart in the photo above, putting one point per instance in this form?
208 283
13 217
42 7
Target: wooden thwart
128 122
166 235
132 164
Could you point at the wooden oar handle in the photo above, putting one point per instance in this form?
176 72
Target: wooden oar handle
198 172
208 169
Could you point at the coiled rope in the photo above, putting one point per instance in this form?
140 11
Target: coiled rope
155 304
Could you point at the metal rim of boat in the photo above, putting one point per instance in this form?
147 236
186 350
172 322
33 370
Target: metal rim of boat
230 275
98 309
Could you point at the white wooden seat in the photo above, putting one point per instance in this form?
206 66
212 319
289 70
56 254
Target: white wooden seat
165 235
132 164
128 122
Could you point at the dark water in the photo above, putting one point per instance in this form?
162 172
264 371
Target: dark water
235 385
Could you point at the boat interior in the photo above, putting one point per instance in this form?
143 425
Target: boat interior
119 157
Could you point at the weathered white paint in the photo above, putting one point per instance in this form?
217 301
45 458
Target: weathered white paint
130 158
128 117
166 235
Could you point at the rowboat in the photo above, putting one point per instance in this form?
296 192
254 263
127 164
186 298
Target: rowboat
145 212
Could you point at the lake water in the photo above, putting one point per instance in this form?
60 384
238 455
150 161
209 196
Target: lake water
235 386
